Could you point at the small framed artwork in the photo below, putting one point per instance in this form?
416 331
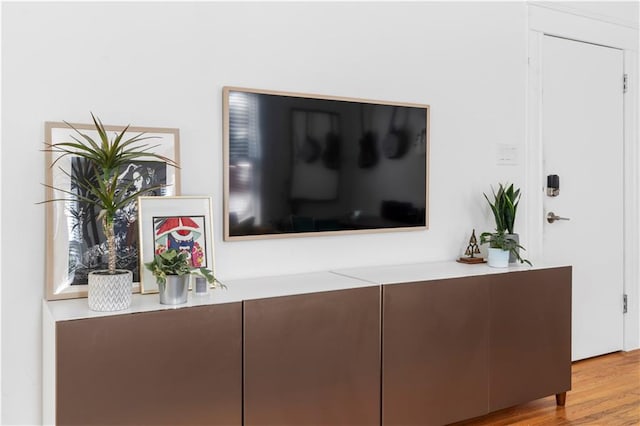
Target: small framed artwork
76 244
183 223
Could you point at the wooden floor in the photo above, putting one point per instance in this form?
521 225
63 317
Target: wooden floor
605 391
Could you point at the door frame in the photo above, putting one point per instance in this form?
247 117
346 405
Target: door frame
544 19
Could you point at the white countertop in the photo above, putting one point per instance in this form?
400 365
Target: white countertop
236 291
288 285
415 272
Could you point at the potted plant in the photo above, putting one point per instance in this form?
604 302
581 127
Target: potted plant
172 270
501 246
504 208
101 186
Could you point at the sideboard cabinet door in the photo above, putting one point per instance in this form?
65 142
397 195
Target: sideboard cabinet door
313 359
435 351
180 367
530 336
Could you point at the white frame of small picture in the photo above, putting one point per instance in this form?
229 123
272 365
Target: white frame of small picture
167 221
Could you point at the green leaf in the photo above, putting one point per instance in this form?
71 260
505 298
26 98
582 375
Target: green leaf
98 183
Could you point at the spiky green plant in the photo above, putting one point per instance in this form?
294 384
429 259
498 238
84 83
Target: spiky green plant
100 186
504 207
511 198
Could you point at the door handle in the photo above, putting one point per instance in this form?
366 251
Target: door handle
552 217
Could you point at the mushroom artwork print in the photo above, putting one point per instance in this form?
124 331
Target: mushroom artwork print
183 233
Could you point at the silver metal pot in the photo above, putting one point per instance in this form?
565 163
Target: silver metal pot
174 291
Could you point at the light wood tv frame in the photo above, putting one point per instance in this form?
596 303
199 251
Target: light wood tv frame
225 127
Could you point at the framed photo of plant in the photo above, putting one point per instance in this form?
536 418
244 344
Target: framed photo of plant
76 242
182 223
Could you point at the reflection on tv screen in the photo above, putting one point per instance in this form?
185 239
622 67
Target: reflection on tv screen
301 164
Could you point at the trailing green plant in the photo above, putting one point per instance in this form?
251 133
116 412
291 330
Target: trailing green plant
100 185
502 241
504 207
174 262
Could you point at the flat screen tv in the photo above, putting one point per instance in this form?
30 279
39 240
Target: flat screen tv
299 164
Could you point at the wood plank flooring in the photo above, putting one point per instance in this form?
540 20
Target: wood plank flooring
605 391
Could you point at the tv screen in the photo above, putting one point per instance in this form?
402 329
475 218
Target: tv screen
300 164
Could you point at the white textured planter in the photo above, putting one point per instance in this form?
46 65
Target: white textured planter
498 258
109 292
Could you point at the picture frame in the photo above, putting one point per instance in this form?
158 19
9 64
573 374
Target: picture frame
182 222
321 149
75 243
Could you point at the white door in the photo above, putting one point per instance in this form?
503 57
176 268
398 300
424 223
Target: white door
582 143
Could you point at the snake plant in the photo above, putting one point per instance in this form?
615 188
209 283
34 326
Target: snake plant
504 207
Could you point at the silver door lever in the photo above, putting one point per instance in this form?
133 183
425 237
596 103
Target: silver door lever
551 217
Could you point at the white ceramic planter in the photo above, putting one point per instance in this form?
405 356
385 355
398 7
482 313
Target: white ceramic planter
109 292
498 258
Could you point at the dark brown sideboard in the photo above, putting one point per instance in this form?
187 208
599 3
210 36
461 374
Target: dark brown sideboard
436 351
313 359
421 353
178 367
460 348
530 337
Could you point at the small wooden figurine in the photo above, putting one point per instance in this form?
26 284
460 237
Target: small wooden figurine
471 251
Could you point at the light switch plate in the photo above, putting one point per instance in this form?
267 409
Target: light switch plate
507 154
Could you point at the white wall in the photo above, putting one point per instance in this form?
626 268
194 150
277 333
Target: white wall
164 64
626 13
0 237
